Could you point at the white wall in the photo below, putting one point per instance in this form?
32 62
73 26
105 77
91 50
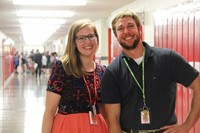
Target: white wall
102 28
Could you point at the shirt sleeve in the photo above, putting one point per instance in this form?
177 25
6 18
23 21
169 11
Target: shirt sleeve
182 72
56 79
110 88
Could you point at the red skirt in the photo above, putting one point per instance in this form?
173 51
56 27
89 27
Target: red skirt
78 123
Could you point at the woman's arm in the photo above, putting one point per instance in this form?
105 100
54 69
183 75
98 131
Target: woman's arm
52 101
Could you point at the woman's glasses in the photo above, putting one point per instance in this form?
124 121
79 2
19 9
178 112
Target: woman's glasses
82 38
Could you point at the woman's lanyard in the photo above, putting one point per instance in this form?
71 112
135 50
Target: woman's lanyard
143 87
92 111
89 92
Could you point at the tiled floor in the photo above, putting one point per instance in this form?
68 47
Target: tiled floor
22 104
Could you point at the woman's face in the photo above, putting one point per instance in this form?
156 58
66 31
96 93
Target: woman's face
86 41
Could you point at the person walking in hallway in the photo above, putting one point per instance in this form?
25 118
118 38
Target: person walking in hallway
74 85
38 61
139 86
16 62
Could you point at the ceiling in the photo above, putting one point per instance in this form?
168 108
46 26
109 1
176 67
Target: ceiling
94 10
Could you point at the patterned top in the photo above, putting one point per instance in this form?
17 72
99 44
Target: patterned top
73 91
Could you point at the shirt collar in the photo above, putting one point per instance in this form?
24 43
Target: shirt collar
148 50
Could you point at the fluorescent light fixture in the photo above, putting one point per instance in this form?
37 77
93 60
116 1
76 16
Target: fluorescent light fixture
51 2
44 13
37 34
41 21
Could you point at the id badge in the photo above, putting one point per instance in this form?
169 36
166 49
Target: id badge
92 117
145 116
94 111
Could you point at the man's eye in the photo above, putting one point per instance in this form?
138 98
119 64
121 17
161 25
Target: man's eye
131 26
120 28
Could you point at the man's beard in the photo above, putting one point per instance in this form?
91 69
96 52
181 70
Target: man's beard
135 44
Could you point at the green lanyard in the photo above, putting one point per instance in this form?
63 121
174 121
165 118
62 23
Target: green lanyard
143 87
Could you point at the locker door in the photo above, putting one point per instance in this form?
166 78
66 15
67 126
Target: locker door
197 53
174 47
164 34
180 34
160 35
179 50
191 53
185 55
169 32
174 33
116 47
191 35
156 37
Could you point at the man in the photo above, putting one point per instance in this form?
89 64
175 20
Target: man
38 61
139 86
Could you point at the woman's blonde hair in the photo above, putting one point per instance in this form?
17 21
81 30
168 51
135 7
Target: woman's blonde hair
71 60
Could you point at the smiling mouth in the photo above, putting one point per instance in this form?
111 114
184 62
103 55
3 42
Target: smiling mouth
88 47
128 38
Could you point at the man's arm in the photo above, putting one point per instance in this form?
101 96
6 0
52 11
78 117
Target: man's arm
112 112
193 115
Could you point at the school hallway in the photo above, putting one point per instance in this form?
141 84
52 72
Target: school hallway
22 103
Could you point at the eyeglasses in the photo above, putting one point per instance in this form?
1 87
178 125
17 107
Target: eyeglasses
82 38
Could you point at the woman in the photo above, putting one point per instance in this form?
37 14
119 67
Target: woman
74 85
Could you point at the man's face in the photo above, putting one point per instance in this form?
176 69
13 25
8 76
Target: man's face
127 33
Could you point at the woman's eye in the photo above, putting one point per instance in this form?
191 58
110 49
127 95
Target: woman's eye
81 38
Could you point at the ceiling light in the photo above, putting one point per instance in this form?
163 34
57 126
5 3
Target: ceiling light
44 13
52 2
37 34
42 21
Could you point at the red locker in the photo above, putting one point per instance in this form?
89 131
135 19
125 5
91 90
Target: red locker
191 53
116 48
180 50
169 32
191 39
174 33
197 53
160 35
185 55
185 36
174 47
180 34
156 37
164 34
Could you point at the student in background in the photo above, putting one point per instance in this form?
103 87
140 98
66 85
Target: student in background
44 63
74 94
23 62
38 63
16 62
